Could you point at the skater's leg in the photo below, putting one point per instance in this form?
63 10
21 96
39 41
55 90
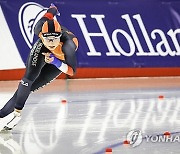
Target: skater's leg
34 65
9 106
33 68
48 73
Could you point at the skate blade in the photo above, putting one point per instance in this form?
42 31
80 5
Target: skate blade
6 129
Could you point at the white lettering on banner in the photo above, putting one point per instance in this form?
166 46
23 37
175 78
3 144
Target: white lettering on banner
87 35
145 34
129 39
133 41
174 39
102 27
103 33
133 32
163 42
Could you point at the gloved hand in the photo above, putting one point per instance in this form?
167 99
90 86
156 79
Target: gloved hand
48 58
53 9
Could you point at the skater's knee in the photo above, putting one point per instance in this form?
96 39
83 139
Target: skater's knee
2 114
31 75
37 84
26 82
7 109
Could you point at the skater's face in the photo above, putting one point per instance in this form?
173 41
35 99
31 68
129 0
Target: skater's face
51 42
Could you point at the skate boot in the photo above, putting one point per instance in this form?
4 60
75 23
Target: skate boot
10 121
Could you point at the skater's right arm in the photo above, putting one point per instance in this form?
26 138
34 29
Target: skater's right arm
65 68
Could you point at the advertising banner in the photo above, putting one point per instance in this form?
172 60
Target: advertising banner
111 34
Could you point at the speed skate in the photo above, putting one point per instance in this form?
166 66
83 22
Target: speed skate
10 121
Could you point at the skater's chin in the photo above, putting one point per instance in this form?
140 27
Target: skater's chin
51 47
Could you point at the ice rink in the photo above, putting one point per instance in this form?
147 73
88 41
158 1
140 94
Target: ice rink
97 114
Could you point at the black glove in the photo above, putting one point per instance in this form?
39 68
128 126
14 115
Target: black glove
53 9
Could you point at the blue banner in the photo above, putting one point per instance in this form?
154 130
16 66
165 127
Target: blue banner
120 34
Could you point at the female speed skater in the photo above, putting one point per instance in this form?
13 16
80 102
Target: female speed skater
53 53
